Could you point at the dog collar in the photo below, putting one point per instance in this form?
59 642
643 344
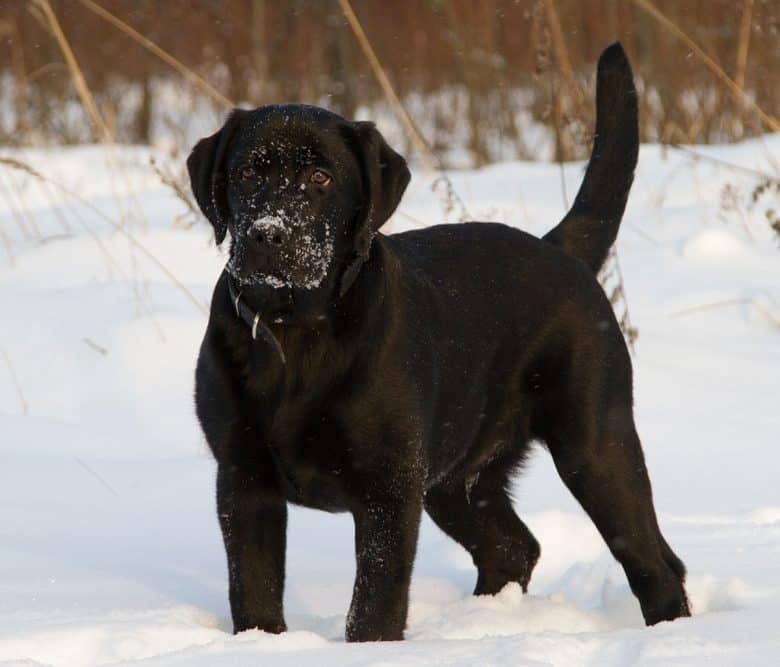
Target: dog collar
253 320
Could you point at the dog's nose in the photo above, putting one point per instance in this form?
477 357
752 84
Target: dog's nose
273 235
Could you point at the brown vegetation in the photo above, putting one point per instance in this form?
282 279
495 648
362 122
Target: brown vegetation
466 70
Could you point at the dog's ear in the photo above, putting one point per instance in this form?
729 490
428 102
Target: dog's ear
208 179
385 176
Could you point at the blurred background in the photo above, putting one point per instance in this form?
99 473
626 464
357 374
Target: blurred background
483 81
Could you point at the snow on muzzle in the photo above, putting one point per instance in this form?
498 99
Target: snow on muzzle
283 251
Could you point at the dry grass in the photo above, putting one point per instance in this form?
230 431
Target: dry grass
198 81
611 279
113 224
735 90
564 62
771 317
82 89
744 43
88 102
233 51
421 146
441 185
177 186
15 381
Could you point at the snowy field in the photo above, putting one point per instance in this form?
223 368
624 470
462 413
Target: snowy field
110 551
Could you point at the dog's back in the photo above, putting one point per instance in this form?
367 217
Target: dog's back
498 304
490 264
520 304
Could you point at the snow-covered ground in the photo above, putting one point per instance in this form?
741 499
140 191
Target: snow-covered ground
110 551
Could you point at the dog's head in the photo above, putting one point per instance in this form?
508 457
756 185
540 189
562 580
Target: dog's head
302 192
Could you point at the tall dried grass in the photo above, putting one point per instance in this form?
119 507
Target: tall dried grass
483 55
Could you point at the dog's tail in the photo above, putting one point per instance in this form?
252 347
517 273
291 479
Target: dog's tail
590 227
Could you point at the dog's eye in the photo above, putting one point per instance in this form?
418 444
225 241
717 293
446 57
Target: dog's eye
319 177
247 173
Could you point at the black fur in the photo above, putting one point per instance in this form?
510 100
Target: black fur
591 226
419 366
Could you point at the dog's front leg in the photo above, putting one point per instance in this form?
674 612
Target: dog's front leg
387 522
253 518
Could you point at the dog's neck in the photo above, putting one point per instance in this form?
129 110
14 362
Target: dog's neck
253 320
359 307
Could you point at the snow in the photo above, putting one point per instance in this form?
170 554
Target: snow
110 551
304 256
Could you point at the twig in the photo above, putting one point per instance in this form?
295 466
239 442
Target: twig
114 225
173 184
744 43
15 213
562 54
554 34
429 159
60 215
772 318
88 102
110 261
140 246
15 380
736 91
53 238
104 132
67 230
729 302
163 55
98 477
449 198
628 329
418 142
7 243
27 169
710 306
78 76
16 193
717 160
98 348
416 221
642 234
562 175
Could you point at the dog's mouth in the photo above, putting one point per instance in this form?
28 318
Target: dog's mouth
283 315
268 293
304 266
282 253
273 279
283 284
278 307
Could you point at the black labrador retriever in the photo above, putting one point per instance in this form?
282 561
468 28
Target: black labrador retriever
346 370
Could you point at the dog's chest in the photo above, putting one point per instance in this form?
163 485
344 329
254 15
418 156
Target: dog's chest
310 481
311 460
294 421
309 485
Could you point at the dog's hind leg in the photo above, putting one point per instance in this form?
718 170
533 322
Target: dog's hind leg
482 520
596 450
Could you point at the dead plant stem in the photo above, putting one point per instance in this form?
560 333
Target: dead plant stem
736 91
162 54
744 43
15 380
114 225
418 142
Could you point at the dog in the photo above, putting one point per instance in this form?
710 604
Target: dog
382 375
